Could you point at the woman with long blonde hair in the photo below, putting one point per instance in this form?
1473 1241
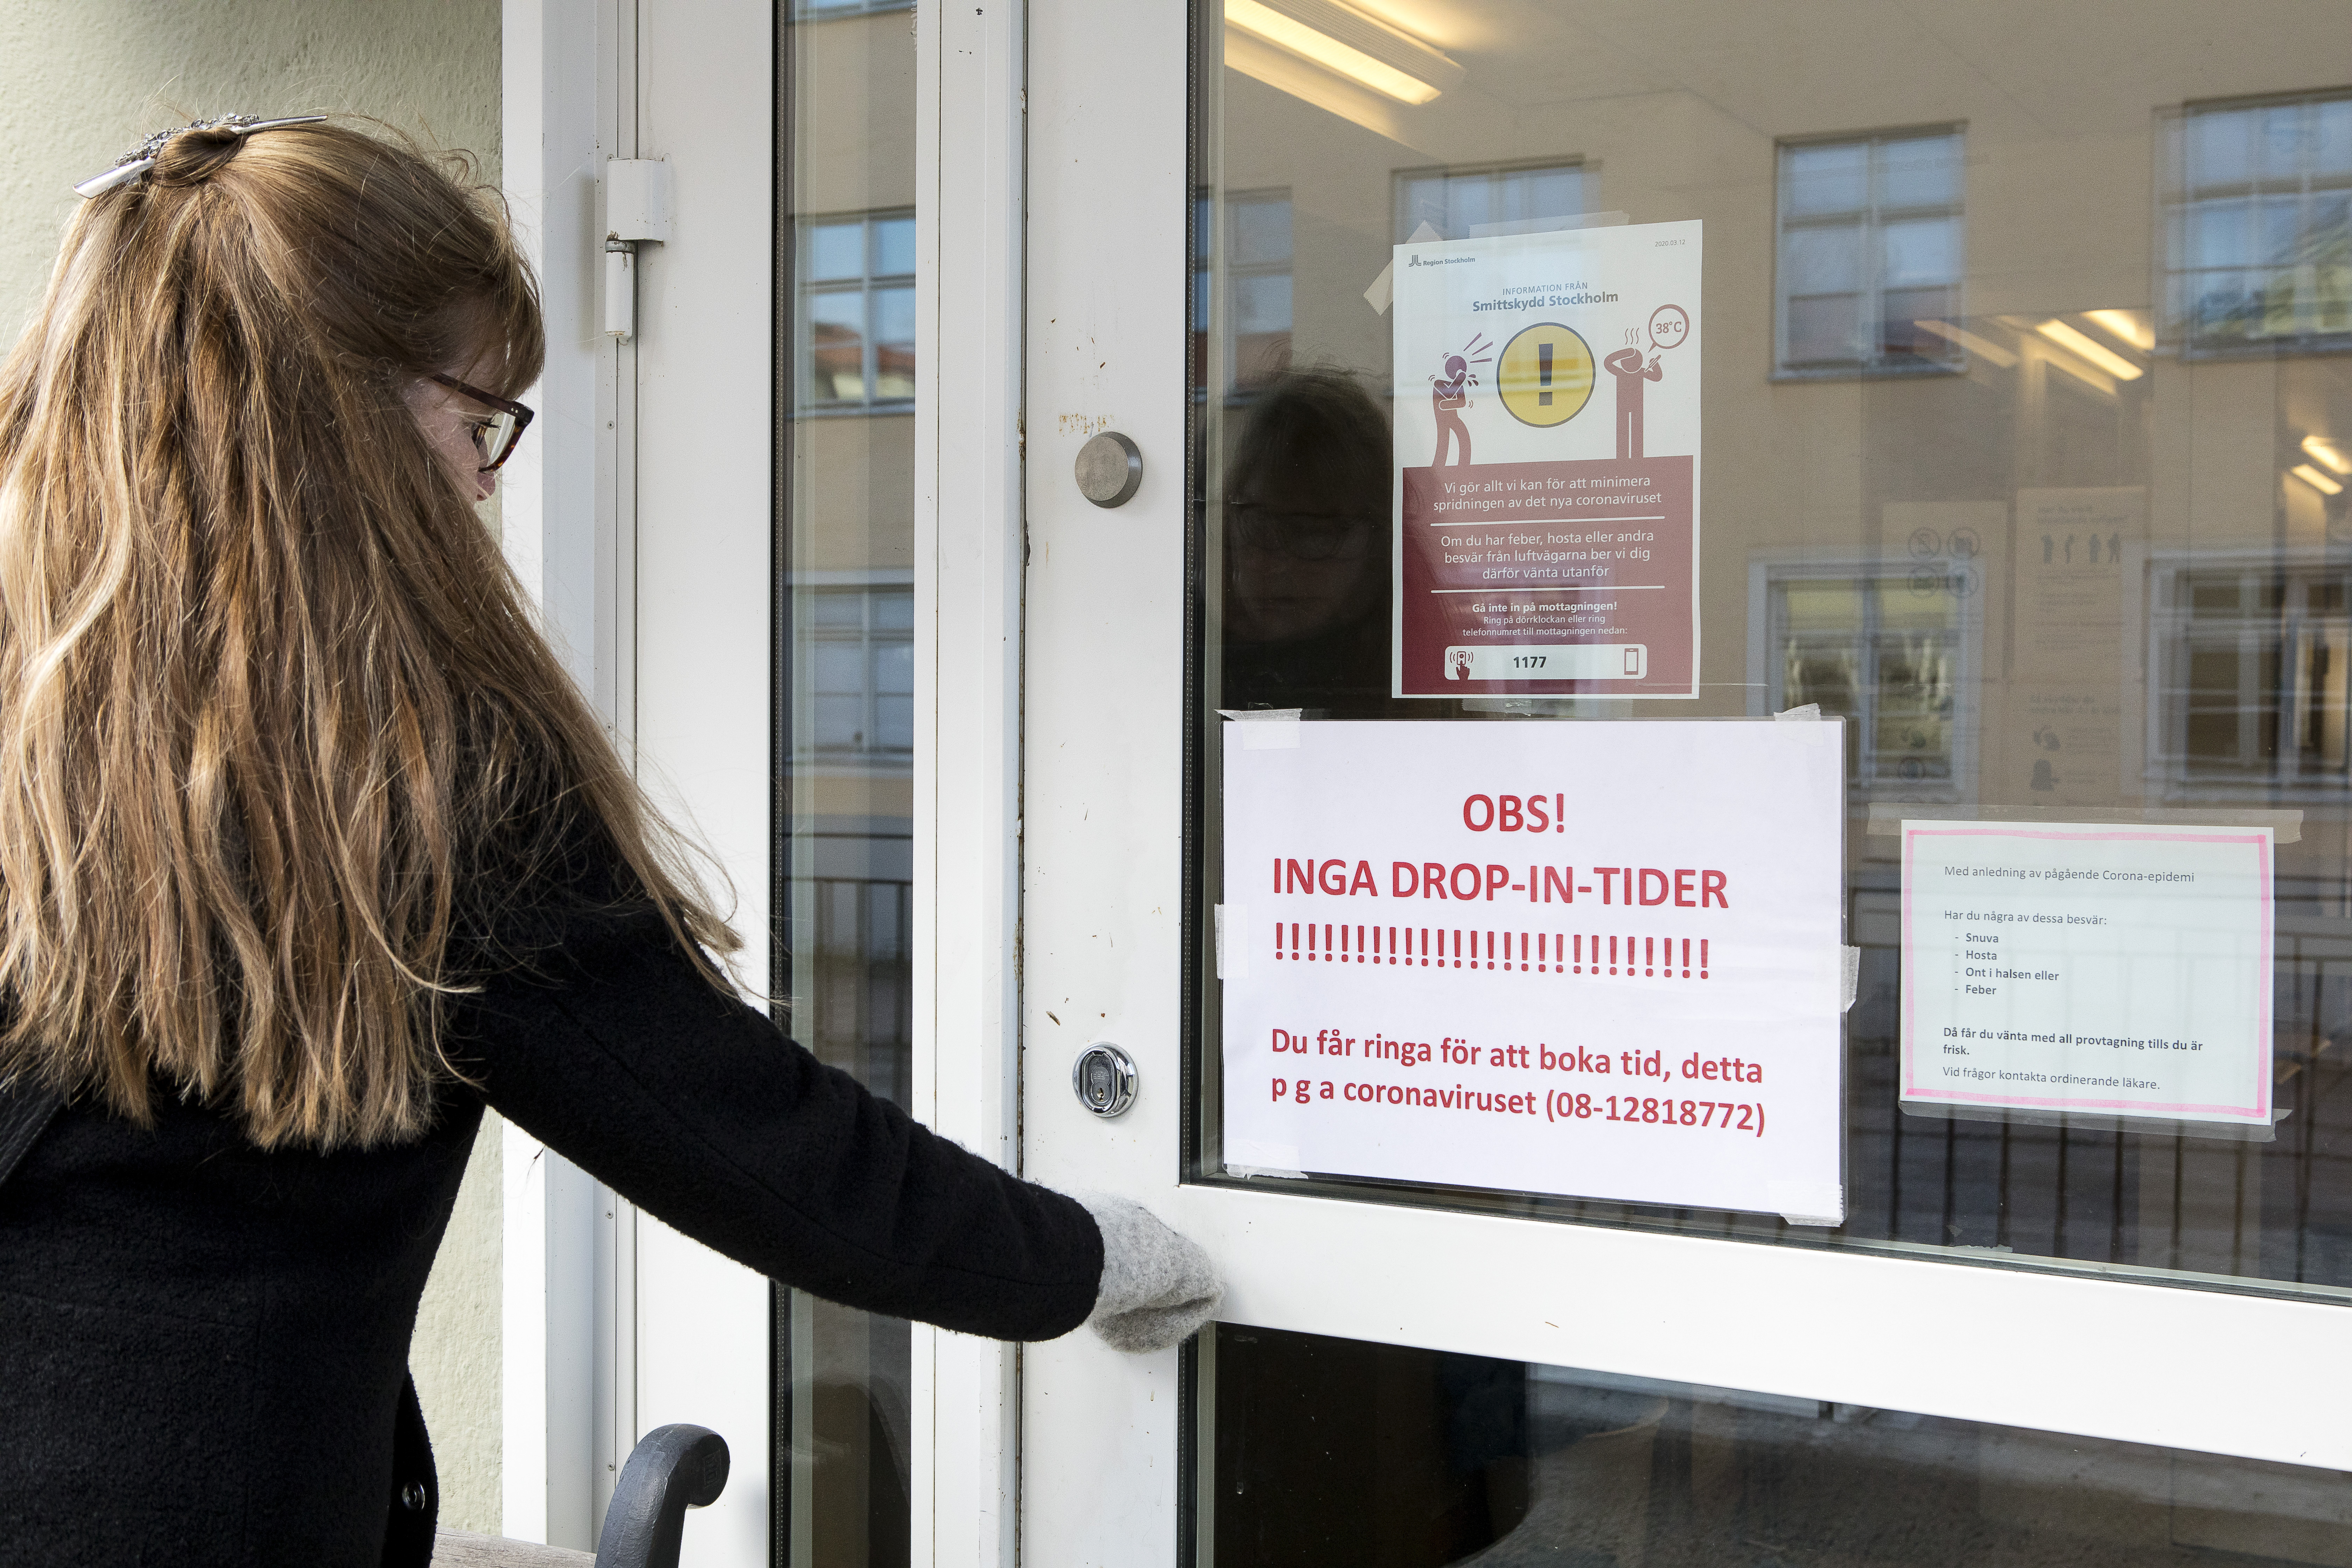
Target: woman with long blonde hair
309 851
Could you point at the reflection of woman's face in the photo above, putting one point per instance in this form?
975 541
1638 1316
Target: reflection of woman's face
1297 568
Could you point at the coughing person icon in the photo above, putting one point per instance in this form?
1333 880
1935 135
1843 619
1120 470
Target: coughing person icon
1630 371
1448 395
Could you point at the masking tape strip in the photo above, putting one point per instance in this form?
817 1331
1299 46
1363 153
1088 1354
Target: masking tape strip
1266 729
2098 1122
1886 818
1852 972
1808 713
1279 1175
1383 290
1807 1202
1232 942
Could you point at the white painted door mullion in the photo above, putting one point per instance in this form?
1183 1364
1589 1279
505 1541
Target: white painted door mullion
968 554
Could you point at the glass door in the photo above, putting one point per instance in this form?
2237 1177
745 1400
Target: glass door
1962 411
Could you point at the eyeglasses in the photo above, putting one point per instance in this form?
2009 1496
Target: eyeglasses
1302 535
497 437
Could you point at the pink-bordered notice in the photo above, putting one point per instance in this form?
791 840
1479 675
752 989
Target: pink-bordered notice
2105 968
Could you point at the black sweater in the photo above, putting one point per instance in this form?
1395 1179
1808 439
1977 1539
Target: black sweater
203 1345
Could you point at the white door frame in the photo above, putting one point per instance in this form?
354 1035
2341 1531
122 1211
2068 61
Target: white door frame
654 574
555 498
1104 757
1103 916
968 651
612 1323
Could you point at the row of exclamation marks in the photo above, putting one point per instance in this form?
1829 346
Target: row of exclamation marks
1326 942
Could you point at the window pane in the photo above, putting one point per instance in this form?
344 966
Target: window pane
893 247
2221 234
1419 198
2331 142
837 609
838 347
894 668
1543 193
1921 250
840 722
839 667
2278 142
1818 260
1262 304
1899 331
1825 329
1261 233
894 612
1326 1450
836 250
894 343
2279 228
1925 173
1825 179
894 723
2221 150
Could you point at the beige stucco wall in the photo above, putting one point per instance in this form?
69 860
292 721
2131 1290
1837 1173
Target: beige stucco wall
81 81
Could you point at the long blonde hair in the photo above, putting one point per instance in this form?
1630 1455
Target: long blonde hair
269 695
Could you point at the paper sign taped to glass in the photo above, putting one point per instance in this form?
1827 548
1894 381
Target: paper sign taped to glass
1546 490
1600 960
2091 970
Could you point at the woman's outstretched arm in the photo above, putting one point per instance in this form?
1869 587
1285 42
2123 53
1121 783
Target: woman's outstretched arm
613 1049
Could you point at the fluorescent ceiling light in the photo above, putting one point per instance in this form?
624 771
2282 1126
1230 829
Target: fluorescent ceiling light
2125 325
1983 348
2326 450
1348 43
2316 480
2099 354
1310 83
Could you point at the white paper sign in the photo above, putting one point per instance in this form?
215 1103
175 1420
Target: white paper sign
2080 967
1597 959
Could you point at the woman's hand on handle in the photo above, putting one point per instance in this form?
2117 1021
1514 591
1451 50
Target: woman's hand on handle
1157 1285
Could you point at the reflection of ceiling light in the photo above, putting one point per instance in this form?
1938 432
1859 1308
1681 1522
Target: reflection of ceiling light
2125 325
1344 40
2321 447
1983 348
2106 358
2316 480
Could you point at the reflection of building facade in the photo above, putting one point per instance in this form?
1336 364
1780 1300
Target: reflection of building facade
847 600
2027 446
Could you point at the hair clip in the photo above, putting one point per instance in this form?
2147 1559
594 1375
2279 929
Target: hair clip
141 158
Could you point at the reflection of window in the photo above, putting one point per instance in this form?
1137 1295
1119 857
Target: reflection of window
860 645
1887 653
2259 235
1870 244
1258 261
864 982
1258 285
2252 664
857 308
1462 203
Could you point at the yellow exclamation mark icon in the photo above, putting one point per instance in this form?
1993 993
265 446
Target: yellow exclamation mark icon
1544 375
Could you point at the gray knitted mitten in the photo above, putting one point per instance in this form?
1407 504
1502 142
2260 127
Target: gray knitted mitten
1157 1286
